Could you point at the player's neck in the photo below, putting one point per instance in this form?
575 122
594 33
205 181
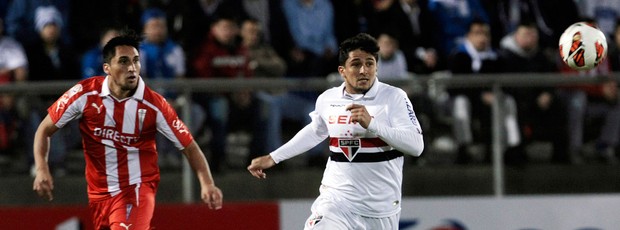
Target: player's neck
120 93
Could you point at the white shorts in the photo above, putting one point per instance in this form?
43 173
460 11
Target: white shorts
327 215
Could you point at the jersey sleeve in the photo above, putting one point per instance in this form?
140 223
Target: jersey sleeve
172 127
308 137
69 106
403 131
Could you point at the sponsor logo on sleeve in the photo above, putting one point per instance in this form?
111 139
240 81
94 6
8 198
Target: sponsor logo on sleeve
64 99
179 126
412 116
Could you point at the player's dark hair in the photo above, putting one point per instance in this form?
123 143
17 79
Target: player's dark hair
127 37
362 41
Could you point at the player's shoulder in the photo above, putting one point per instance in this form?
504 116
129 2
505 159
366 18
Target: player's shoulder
153 96
88 85
384 89
331 92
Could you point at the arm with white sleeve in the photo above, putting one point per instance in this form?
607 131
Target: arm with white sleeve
403 132
308 137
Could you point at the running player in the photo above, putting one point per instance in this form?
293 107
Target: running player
370 125
119 117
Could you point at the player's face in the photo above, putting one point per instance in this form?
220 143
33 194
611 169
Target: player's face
124 68
359 71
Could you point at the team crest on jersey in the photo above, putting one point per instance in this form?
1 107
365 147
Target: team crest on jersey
64 99
349 147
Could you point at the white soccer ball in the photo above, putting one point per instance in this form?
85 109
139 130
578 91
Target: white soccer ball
583 46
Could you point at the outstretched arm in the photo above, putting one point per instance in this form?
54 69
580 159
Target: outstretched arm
210 193
43 182
303 141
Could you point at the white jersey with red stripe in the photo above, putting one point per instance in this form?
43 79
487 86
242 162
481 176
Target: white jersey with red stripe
118 136
364 173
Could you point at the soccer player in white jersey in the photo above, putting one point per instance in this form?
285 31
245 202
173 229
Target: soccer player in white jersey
371 125
119 117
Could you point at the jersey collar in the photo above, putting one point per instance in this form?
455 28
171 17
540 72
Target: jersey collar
138 95
372 92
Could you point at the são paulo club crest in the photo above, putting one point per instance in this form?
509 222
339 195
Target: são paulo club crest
349 147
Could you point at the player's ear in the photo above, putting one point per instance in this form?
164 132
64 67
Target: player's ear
341 70
106 68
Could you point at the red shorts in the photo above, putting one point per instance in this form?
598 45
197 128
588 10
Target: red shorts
131 209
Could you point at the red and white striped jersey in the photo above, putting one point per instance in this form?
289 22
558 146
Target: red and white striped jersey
118 136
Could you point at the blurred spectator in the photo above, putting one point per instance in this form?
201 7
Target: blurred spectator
92 59
264 61
311 23
13 68
49 56
86 22
222 56
551 17
558 15
411 24
506 15
281 105
353 17
175 11
13 61
272 21
592 108
391 63
195 23
452 22
613 51
472 106
49 59
162 58
541 114
604 12
21 21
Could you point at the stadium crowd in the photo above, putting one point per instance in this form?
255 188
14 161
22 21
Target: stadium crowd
42 40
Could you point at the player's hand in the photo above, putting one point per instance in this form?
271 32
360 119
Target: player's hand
212 196
359 114
44 184
259 164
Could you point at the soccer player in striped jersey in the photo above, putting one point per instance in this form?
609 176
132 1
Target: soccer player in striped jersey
119 117
371 125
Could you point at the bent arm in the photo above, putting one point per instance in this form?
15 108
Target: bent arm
210 193
408 140
403 132
43 182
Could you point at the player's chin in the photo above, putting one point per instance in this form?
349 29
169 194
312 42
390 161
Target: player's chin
130 84
362 85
